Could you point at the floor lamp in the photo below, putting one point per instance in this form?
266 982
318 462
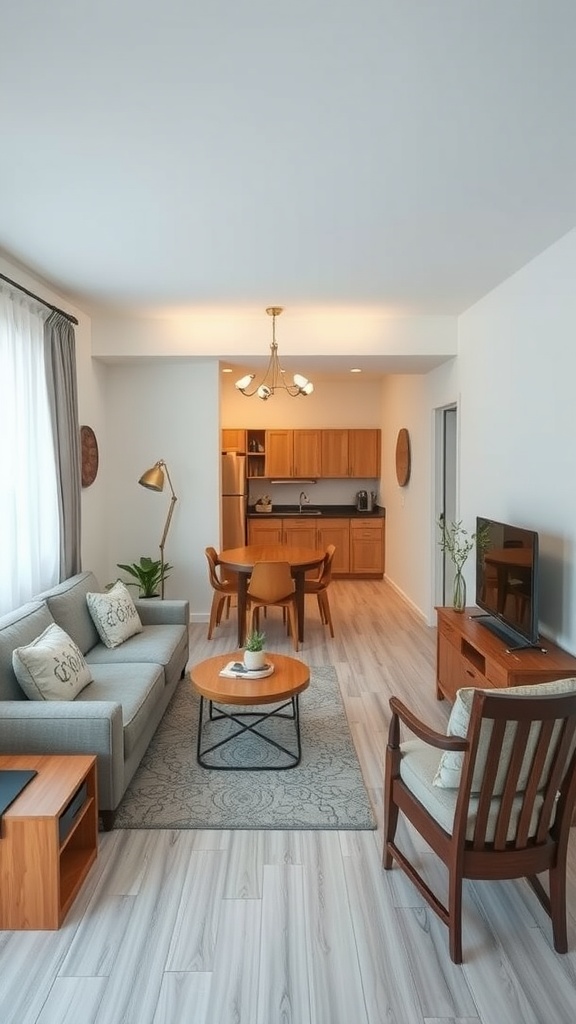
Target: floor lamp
153 479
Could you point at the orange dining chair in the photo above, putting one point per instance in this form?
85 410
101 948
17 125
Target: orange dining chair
223 590
271 584
319 585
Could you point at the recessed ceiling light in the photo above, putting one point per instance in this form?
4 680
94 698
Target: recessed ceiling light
356 369
227 369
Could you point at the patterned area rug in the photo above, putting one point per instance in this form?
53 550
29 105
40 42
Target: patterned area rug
325 791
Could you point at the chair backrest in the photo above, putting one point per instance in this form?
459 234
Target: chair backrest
326 574
519 773
271 581
213 562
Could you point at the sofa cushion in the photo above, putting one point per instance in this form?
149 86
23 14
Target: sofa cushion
114 615
450 766
138 688
67 604
51 667
18 628
163 645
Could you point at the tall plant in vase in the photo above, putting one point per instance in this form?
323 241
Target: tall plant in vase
457 543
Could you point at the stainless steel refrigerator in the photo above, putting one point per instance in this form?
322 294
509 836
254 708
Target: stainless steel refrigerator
234 500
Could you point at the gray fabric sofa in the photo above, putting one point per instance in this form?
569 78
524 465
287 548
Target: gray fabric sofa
116 715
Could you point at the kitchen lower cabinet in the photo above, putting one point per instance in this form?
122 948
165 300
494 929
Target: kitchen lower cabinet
336 532
367 547
265 531
359 543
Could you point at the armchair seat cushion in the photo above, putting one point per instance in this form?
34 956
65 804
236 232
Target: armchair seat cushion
418 769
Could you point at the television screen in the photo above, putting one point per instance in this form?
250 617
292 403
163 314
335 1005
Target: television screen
507 579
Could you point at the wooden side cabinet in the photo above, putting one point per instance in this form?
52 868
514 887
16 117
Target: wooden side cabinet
468 654
49 839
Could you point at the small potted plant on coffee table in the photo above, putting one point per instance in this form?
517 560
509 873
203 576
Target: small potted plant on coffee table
254 653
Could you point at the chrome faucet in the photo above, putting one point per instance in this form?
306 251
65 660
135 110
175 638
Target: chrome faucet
303 498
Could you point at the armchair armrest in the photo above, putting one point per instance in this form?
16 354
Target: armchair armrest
163 613
420 729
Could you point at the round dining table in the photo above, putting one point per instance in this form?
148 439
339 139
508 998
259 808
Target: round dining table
243 560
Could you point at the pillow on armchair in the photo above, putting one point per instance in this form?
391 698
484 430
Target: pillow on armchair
114 615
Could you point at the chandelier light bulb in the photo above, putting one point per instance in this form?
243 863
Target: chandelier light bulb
245 381
264 392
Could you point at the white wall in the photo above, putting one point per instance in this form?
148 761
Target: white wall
168 412
517 367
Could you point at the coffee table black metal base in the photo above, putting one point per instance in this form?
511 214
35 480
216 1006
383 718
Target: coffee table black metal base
248 721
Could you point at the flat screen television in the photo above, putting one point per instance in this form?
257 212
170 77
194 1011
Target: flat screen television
507 581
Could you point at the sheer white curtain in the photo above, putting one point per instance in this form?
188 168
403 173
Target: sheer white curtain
29 527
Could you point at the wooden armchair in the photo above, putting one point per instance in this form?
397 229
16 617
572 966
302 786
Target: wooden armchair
498 803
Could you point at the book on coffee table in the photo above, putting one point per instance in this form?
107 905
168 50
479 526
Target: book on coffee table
238 670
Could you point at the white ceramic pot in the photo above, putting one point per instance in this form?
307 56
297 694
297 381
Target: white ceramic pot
254 660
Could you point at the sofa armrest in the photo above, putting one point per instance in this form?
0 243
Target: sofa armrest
162 613
69 727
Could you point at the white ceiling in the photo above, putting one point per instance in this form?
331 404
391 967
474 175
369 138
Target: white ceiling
406 155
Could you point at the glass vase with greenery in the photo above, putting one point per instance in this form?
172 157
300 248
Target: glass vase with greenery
457 543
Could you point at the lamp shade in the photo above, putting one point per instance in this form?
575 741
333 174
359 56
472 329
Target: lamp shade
153 478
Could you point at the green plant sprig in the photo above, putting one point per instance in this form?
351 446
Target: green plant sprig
457 543
255 641
148 573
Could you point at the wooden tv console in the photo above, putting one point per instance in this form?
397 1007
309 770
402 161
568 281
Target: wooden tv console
468 654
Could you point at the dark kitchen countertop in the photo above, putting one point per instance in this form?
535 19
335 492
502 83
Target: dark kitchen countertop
328 511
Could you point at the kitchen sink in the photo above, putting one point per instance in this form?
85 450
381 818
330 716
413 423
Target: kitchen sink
304 512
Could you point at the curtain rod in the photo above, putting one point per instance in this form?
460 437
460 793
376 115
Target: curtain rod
54 309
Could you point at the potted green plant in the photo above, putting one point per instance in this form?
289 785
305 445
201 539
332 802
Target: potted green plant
254 653
148 573
457 543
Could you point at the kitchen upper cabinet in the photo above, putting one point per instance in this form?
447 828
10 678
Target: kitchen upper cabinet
292 453
351 453
364 452
279 453
233 440
307 453
334 445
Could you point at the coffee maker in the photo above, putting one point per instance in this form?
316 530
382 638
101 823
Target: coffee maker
365 501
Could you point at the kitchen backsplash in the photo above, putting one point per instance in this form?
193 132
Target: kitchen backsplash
324 492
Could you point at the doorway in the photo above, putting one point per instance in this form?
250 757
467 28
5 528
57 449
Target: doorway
446 496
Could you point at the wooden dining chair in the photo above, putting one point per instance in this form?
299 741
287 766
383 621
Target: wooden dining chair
498 803
319 585
223 589
271 583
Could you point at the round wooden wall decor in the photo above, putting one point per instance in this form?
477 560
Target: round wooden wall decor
89 456
403 457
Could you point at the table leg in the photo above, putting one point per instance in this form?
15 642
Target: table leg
242 588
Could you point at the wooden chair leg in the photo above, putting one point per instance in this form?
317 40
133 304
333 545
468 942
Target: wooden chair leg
390 825
455 917
293 625
325 605
557 877
214 613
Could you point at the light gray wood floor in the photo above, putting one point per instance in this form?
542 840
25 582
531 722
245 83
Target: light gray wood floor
249 927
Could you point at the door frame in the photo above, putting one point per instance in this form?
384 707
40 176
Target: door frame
446 490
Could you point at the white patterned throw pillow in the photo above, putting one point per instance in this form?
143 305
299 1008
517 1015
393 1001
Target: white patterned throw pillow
450 767
52 667
114 615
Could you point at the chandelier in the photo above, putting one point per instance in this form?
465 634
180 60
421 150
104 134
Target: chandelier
274 379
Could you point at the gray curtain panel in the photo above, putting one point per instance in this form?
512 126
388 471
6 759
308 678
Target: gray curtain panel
60 359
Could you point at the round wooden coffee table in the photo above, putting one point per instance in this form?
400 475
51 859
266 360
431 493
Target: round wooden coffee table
283 687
